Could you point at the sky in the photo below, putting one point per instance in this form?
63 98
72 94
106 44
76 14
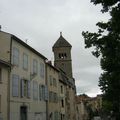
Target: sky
40 23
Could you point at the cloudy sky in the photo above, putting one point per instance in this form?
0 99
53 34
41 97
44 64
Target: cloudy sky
40 22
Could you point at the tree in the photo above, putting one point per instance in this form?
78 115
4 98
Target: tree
106 44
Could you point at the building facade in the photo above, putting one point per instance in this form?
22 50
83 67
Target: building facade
4 89
88 107
32 88
53 107
27 79
63 62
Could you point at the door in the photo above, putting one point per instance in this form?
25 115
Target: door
23 113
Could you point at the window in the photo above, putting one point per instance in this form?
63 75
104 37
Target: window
25 61
40 92
50 96
61 89
0 75
42 70
15 56
62 103
50 80
0 103
35 90
25 88
56 115
54 82
15 85
62 55
43 92
53 96
35 66
46 92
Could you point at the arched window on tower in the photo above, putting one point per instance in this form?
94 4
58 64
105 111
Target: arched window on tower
62 55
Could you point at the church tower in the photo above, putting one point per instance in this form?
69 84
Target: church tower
62 55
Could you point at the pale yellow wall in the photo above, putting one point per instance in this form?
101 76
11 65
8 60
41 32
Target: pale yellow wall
34 106
62 96
72 103
53 106
82 112
4 92
5 40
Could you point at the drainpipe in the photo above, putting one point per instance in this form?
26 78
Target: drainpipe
46 82
9 73
8 94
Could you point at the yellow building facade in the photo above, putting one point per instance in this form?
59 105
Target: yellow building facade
27 79
4 90
53 107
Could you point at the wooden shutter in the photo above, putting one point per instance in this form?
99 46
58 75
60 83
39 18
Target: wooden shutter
28 89
46 93
22 88
40 92
15 85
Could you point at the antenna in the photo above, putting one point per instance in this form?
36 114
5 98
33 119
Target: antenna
26 40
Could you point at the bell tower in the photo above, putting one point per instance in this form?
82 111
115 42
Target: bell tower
62 55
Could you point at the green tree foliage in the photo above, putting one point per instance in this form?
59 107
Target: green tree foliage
106 44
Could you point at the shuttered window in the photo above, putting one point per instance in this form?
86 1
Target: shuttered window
35 90
50 79
35 66
25 61
46 93
42 70
25 88
43 92
56 115
40 92
50 96
15 85
29 89
54 82
15 56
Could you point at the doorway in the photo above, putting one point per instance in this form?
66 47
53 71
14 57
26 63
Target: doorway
23 113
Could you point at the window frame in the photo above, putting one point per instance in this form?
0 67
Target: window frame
35 90
15 56
15 86
25 88
54 82
42 70
35 66
25 61
51 81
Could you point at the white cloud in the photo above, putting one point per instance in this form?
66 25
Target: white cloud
40 21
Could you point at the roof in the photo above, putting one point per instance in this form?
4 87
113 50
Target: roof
61 42
50 64
29 47
5 63
25 45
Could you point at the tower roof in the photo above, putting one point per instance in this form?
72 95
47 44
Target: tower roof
61 42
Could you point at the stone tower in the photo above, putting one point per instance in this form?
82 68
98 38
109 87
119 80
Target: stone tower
62 55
